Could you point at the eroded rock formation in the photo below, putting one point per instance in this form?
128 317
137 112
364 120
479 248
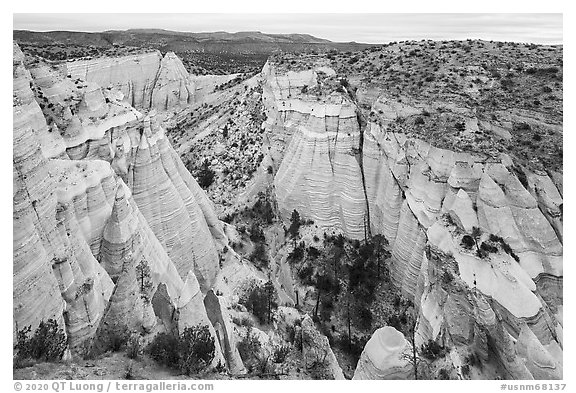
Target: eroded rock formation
145 80
356 177
385 356
111 233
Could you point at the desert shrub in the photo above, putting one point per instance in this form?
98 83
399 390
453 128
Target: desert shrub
134 347
205 176
260 300
521 176
466 370
489 248
522 127
297 254
542 71
432 350
505 246
449 219
47 344
196 348
495 238
305 274
129 372
118 338
190 353
313 252
256 233
164 350
443 374
473 360
243 321
353 347
364 318
467 242
280 353
447 277
259 256
295 223
419 121
249 348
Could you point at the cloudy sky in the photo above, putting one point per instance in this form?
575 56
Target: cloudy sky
370 28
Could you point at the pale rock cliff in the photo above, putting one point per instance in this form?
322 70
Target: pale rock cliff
111 233
346 176
315 145
145 80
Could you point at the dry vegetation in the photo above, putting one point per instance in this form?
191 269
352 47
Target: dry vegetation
499 85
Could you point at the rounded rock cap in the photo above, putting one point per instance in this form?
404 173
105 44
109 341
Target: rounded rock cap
385 346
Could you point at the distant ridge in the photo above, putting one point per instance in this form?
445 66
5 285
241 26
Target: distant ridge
132 36
206 52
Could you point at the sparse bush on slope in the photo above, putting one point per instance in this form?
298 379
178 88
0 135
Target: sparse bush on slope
190 353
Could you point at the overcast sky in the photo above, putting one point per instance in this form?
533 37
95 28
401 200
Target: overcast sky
369 28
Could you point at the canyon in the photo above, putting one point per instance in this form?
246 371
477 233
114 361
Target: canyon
112 232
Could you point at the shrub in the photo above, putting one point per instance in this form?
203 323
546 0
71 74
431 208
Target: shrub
364 318
522 127
489 248
495 238
244 321
249 348
473 360
467 242
47 344
134 347
164 350
205 176
297 254
305 274
443 374
447 277
280 353
260 300
419 121
129 373
432 350
190 353
294 224
118 339
313 252
505 246
196 347
259 256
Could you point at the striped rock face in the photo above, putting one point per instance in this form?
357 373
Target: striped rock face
111 232
355 177
145 81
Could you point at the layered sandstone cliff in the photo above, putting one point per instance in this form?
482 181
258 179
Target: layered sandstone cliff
356 178
145 80
111 233
316 145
